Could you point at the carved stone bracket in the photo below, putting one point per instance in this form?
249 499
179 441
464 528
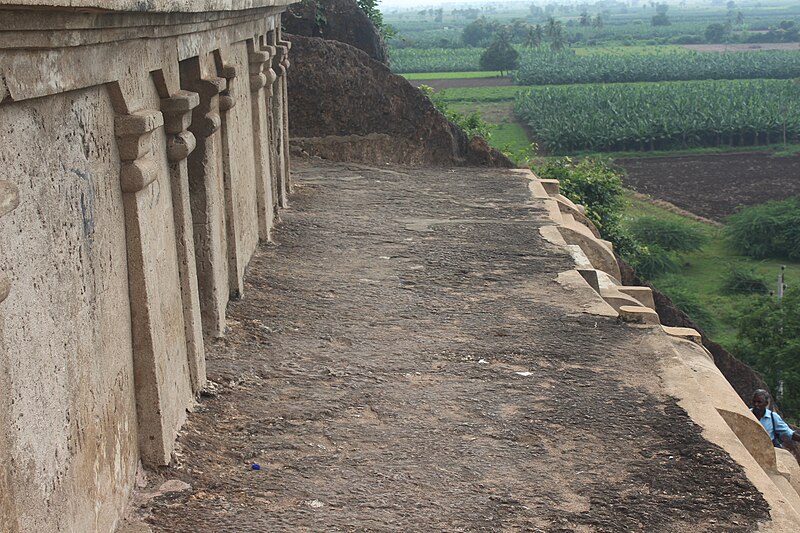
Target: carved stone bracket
177 111
139 169
280 60
269 73
208 88
227 98
257 62
9 200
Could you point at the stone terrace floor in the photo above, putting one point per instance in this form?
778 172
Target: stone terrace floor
403 360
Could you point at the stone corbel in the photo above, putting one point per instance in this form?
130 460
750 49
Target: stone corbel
269 73
9 200
139 168
258 78
208 88
177 111
279 60
227 98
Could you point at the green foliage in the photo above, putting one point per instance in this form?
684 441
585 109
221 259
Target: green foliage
662 116
592 183
716 32
480 32
668 234
472 123
434 59
370 8
767 230
688 302
740 280
543 67
769 340
499 56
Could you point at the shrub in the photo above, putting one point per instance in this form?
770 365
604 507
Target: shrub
650 262
767 230
738 280
670 235
592 183
472 124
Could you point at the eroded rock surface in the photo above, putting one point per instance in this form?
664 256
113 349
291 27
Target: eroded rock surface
345 106
403 360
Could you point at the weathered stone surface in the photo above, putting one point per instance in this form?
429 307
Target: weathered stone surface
348 107
336 20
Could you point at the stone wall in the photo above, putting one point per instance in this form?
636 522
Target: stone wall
143 156
687 369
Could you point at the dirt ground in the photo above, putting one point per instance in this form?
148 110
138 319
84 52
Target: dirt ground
403 361
714 186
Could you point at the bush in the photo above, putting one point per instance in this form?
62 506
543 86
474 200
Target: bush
738 280
472 124
670 235
592 183
767 230
650 262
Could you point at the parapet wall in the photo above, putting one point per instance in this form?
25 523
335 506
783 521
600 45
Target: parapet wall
143 156
688 371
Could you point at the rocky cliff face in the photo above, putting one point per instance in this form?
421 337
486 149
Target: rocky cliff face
346 106
336 20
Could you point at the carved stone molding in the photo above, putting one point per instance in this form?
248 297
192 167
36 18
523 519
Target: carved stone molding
258 78
269 73
177 111
9 200
227 98
139 169
210 122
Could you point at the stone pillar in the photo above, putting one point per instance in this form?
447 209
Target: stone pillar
9 200
227 100
207 197
279 112
160 365
285 46
261 78
177 111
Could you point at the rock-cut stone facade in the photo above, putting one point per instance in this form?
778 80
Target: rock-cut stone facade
143 157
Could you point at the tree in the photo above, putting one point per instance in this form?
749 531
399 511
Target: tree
556 35
598 21
716 33
769 340
500 55
479 32
585 19
660 20
534 37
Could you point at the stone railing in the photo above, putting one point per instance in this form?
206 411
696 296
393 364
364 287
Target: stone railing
144 155
687 371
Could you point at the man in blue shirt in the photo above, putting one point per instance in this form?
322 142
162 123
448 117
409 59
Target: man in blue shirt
776 428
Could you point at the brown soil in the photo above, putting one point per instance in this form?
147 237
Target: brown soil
464 82
714 186
403 360
345 106
744 47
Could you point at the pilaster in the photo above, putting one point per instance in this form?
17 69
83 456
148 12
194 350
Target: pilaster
207 197
261 78
177 111
9 200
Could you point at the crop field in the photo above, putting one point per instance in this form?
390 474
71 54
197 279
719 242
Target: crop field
435 59
562 68
661 116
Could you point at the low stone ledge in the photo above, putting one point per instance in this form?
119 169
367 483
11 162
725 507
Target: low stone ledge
639 315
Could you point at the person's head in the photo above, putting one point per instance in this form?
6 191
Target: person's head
760 402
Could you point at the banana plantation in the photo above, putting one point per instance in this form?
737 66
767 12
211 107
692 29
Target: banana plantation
563 68
662 116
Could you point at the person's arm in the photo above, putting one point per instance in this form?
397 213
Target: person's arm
782 429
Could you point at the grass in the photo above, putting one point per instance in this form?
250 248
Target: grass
451 75
480 94
703 273
626 50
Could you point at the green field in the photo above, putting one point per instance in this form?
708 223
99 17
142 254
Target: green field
702 273
661 116
469 75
